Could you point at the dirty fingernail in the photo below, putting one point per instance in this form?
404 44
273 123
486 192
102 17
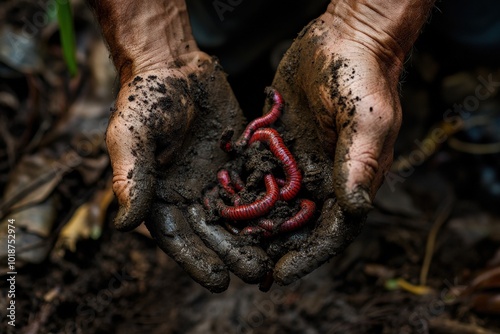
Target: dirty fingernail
366 196
358 202
121 219
126 220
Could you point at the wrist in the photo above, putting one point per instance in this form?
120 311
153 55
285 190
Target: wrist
387 28
144 37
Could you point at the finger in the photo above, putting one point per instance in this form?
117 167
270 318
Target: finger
364 152
175 237
131 159
248 262
335 231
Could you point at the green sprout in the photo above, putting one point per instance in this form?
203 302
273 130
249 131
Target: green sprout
67 34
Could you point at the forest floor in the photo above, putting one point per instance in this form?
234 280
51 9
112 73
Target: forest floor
427 260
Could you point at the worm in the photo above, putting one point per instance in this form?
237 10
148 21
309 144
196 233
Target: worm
276 189
238 183
293 176
265 120
305 213
268 119
254 230
210 197
225 143
266 224
232 229
280 182
225 181
253 210
264 227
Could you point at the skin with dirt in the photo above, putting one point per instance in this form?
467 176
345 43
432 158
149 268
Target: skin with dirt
183 169
306 130
311 134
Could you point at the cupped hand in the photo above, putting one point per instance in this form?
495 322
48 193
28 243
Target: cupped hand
163 142
341 119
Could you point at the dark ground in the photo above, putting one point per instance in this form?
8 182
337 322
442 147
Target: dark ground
98 280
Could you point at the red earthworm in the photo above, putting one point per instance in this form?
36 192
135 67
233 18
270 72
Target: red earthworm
236 200
280 182
225 181
280 151
255 230
267 224
225 142
232 229
238 183
210 196
253 210
305 213
264 227
265 120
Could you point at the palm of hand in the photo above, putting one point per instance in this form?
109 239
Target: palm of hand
342 117
162 140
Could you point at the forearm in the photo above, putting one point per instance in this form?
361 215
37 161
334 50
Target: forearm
388 26
141 35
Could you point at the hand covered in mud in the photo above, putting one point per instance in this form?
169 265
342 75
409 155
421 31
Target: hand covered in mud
163 135
162 139
342 116
341 119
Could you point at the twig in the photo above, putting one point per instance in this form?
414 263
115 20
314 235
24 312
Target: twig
40 319
473 148
442 215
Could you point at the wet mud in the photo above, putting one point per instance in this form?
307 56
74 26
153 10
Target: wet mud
308 129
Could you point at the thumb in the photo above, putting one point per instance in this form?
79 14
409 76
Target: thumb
363 154
132 160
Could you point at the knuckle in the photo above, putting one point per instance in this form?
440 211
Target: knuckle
367 163
121 188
